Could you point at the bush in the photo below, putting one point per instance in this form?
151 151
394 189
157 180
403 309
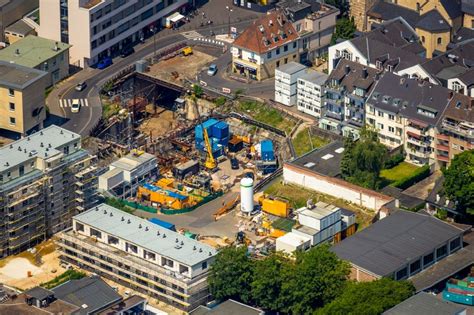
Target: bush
220 101
197 90
64 277
394 160
417 176
118 204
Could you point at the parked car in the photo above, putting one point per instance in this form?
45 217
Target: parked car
212 70
234 163
104 63
76 106
127 51
80 86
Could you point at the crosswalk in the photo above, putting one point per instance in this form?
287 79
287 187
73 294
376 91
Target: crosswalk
68 102
192 35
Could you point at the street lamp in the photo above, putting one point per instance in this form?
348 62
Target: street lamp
229 10
153 30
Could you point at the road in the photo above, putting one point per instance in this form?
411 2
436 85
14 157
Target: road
60 98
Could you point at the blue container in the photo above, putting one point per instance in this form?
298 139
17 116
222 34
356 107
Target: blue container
163 224
220 130
224 141
266 147
198 132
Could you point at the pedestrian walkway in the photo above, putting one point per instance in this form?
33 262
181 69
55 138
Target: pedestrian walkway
68 102
192 35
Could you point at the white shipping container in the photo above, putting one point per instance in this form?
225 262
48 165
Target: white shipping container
290 242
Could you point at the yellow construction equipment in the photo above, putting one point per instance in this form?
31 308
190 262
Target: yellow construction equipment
210 160
187 51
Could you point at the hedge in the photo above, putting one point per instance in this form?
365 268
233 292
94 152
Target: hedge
394 161
417 176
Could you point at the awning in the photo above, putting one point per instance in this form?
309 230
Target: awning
414 135
176 17
245 66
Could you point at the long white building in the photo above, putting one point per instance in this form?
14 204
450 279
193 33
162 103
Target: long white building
99 28
139 254
310 92
285 82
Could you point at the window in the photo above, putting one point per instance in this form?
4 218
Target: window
278 51
204 265
379 126
391 117
79 227
12 121
415 266
440 40
286 61
112 240
378 65
294 44
422 39
277 64
94 232
391 129
167 262
441 252
401 274
455 244
379 113
456 87
11 92
12 107
131 248
269 54
285 48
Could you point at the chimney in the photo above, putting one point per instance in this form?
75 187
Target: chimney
347 69
437 197
397 203
56 47
365 73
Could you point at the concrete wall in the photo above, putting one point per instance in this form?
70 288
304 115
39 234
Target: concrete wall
334 187
49 11
361 275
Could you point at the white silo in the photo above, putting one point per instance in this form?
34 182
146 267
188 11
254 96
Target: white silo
246 195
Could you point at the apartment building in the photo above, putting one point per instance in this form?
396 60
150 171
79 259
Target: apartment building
315 23
310 92
40 53
285 82
139 254
393 46
100 28
455 129
45 179
268 43
22 108
405 112
347 89
12 11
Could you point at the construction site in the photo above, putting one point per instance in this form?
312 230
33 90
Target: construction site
209 159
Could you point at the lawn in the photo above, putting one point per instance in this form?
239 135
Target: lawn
267 115
305 142
398 172
298 196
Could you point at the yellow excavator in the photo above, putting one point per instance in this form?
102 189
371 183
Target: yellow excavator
210 160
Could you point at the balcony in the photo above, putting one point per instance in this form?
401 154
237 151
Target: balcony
416 130
333 115
418 142
464 128
442 147
334 88
442 137
419 153
337 102
442 158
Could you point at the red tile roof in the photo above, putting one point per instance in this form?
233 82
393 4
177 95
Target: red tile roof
260 36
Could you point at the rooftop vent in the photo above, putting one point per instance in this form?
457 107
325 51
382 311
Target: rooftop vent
56 47
164 235
200 250
146 228
61 132
96 208
11 146
19 148
41 133
128 221
327 157
270 22
261 29
182 243
7 164
309 164
111 214
49 145
140 226
194 247
28 138
122 219
158 233
17 52
176 241
210 254
339 150
41 144
105 211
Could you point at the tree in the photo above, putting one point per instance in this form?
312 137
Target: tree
459 182
369 297
231 275
345 29
318 277
342 5
268 280
363 160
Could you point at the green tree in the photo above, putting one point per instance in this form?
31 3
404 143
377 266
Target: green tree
318 277
345 29
459 181
231 275
369 297
342 5
363 160
268 281
197 90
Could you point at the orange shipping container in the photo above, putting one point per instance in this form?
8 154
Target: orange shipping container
276 207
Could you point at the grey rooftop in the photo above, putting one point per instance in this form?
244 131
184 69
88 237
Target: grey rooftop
425 303
314 76
388 244
18 77
291 67
146 235
42 144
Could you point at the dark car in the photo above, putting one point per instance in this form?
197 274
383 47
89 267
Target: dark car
127 51
104 63
234 163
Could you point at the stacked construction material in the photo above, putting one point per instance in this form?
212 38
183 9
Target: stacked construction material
218 133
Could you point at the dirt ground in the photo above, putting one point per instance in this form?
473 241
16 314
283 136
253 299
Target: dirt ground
44 266
159 124
185 66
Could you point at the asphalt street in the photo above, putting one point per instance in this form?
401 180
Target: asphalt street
83 122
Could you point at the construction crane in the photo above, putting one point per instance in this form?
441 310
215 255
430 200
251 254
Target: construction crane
210 160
